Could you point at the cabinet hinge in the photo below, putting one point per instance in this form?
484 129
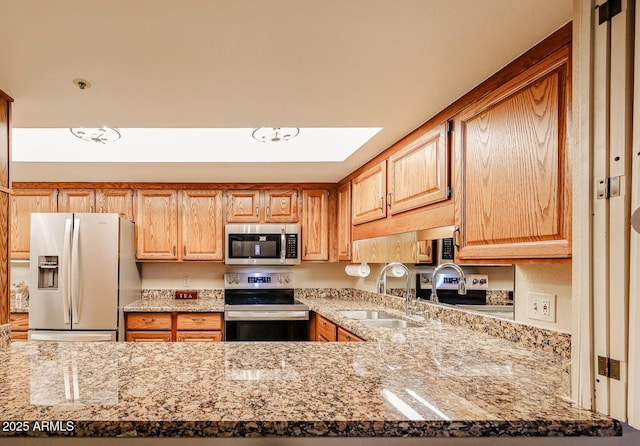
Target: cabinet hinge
609 367
609 187
608 10
449 192
449 126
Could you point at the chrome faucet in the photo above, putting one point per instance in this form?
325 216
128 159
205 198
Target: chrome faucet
382 286
462 287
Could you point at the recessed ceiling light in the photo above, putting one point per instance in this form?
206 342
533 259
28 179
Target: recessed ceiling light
275 134
100 135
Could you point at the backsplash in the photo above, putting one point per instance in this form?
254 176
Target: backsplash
170 294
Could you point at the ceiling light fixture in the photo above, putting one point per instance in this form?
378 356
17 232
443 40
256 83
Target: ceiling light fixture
275 134
100 135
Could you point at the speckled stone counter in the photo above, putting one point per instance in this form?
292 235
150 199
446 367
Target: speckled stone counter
168 305
434 381
5 335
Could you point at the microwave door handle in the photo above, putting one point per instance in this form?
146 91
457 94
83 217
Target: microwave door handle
282 244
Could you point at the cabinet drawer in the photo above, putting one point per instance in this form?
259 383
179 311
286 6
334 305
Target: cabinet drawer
199 321
199 336
149 321
148 336
325 330
347 336
19 321
19 335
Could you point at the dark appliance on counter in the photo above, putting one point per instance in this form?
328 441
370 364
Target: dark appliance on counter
260 306
447 285
262 244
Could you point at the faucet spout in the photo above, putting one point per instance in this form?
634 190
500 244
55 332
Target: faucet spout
382 287
462 287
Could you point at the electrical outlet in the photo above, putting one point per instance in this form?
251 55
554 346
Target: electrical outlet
541 306
185 281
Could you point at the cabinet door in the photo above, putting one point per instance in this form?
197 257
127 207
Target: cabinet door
148 336
347 336
344 222
369 191
118 201
24 202
325 330
513 162
199 336
4 256
5 112
157 224
77 200
419 173
243 206
202 232
315 226
281 206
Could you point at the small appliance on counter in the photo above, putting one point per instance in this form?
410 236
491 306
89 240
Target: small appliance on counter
260 306
83 271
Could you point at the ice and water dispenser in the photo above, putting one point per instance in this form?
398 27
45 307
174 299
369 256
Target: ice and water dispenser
48 272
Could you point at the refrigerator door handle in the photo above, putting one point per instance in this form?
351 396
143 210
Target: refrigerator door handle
75 272
66 257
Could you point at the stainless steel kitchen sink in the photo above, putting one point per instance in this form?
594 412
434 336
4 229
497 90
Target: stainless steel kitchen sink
366 314
389 323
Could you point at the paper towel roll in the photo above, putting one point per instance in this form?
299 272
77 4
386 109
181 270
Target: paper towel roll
357 270
396 271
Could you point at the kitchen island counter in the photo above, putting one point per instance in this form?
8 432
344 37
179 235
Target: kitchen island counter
435 381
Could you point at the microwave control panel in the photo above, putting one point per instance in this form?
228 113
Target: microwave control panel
291 250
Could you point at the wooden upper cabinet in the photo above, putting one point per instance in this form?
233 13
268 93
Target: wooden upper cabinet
257 206
5 129
369 190
418 174
513 167
202 229
77 200
24 202
118 201
244 206
157 224
315 224
281 206
344 222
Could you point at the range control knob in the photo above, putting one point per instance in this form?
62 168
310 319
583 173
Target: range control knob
287 279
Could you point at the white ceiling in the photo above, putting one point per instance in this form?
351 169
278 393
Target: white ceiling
252 63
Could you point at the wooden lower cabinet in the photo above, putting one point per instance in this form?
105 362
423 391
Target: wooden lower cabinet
19 326
148 336
347 336
168 327
199 336
327 331
199 327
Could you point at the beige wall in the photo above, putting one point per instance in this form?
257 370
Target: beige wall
546 278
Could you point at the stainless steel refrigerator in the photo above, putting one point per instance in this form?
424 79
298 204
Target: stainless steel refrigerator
83 271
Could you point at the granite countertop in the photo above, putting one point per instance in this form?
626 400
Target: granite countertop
436 380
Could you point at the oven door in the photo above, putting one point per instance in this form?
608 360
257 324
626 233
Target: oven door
266 330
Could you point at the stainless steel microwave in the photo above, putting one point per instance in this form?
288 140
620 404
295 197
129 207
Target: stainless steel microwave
262 244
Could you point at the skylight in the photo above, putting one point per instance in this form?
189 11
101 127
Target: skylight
144 145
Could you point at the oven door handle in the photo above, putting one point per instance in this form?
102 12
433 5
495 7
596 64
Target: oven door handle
296 315
282 244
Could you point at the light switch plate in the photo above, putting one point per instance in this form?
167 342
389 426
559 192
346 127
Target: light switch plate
541 306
